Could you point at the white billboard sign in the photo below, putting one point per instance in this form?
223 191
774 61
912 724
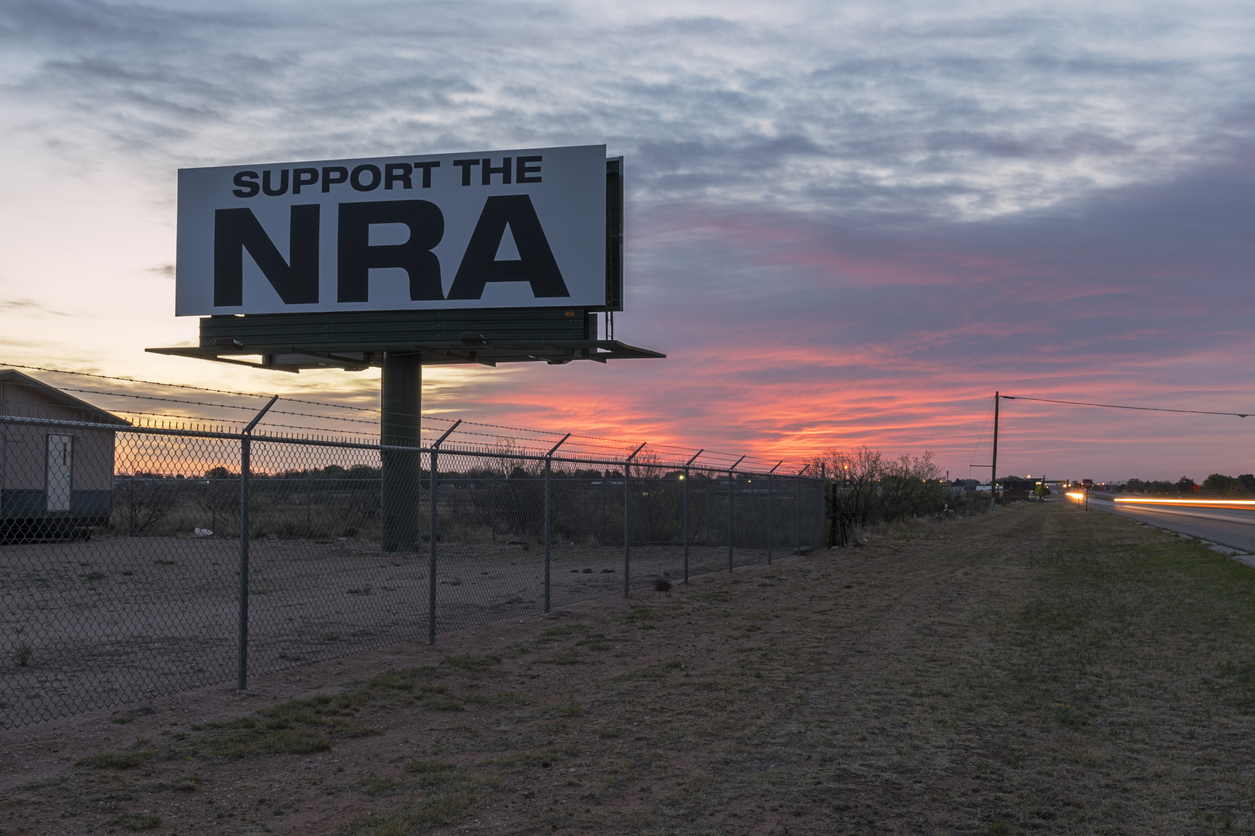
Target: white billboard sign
494 229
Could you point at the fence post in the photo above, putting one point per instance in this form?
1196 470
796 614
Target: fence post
770 519
730 481
627 528
823 488
706 517
799 507
433 534
549 514
246 452
685 477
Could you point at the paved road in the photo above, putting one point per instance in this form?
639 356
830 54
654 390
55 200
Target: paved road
1227 526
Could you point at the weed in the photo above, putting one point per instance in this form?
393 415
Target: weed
188 783
115 760
654 671
472 662
561 632
375 786
637 615
596 642
136 821
24 655
545 757
662 585
432 811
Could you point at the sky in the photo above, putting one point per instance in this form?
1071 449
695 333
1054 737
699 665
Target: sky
846 224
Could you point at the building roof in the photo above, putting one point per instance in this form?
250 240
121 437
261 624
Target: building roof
91 413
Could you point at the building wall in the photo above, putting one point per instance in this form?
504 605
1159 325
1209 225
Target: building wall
24 458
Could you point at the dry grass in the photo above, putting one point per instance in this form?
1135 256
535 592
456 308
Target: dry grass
1035 670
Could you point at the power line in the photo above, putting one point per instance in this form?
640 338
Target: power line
1121 406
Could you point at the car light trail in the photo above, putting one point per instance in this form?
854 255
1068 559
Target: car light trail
1077 496
1201 503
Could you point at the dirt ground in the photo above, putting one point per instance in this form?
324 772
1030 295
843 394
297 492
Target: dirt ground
111 621
1039 669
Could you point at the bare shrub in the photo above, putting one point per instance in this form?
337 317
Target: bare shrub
868 489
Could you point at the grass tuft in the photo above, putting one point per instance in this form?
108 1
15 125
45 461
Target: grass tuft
116 760
432 811
472 662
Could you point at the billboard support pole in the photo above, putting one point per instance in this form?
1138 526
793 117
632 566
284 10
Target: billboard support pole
401 398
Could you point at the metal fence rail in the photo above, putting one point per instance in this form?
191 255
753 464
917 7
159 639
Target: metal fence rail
141 561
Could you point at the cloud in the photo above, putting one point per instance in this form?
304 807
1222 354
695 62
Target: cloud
29 307
845 225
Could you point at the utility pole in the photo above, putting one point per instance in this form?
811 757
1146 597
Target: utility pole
993 468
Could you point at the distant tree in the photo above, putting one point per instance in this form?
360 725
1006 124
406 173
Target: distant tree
1248 481
1218 483
1185 485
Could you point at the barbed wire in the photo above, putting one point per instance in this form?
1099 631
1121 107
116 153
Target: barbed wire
578 442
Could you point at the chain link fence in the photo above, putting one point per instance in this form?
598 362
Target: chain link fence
138 561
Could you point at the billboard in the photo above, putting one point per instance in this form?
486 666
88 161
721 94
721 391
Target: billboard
492 229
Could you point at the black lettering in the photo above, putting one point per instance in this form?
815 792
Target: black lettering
355 179
397 173
334 175
415 256
303 177
283 183
536 264
525 172
489 171
427 167
466 166
237 230
247 182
